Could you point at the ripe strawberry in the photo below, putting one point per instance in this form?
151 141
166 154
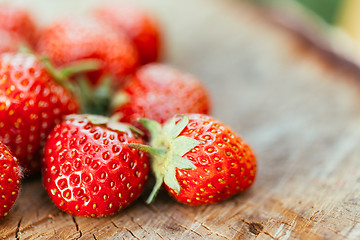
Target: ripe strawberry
158 92
17 20
199 159
31 103
88 169
85 38
138 24
9 180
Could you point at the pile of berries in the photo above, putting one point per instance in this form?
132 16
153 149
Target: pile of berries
86 102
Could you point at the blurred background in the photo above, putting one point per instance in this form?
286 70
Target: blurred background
344 14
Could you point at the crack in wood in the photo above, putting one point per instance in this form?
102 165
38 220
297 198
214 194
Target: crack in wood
313 216
159 235
267 233
352 220
17 232
350 230
132 219
189 229
39 222
112 222
132 234
337 233
212 231
77 227
236 230
352 203
280 222
241 210
94 237
157 211
254 227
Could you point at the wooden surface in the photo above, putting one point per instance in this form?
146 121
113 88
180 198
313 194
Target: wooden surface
296 105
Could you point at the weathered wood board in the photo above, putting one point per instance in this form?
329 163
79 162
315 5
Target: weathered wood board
296 105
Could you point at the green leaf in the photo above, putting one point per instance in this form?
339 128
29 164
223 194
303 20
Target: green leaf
182 163
96 119
169 125
170 178
136 130
159 180
179 127
153 126
74 116
152 150
183 144
123 127
105 88
118 126
80 66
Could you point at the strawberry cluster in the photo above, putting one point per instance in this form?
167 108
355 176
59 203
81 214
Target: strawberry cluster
86 102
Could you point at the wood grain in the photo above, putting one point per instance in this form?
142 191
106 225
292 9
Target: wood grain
295 103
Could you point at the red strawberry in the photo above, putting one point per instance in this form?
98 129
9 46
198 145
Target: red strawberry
17 20
82 38
31 103
10 42
138 24
88 169
199 159
158 92
9 180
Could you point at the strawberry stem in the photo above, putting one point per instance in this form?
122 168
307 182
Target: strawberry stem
148 149
86 65
95 99
57 75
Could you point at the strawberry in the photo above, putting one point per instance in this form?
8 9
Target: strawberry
31 104
138 24
19 21
75 39
10 42
9 180
88 169
199 159
157 91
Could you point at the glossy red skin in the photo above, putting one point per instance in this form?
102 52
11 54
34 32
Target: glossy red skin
77 149
158 92
224 160
75 39
9 179
138 24
10 42
31 104
18 21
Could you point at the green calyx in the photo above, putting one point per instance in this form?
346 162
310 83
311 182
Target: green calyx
94 99
62 75
167 149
